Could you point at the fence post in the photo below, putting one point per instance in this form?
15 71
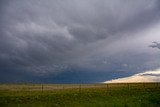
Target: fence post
107 87
128 86
80 88
42 88
80 93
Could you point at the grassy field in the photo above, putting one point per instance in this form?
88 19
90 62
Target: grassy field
80 95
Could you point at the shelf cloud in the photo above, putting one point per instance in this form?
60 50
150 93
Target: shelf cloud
78 38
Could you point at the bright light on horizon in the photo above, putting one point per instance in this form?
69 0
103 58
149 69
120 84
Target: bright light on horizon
148 76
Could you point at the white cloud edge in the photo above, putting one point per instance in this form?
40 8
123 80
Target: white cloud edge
147 76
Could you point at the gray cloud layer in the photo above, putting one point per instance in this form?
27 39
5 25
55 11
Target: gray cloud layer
55 36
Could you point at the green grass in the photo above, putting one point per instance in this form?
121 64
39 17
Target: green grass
112 95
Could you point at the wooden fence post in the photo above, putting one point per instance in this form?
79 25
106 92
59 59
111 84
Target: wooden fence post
128 86
42 88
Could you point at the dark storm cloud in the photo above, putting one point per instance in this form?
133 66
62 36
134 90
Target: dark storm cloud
54 36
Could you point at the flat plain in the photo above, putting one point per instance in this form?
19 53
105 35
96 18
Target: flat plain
80 95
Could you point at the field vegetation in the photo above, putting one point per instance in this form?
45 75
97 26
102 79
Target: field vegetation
80 95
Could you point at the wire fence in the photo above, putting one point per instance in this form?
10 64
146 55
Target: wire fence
52 87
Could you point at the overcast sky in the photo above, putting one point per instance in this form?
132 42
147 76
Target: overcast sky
77 40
